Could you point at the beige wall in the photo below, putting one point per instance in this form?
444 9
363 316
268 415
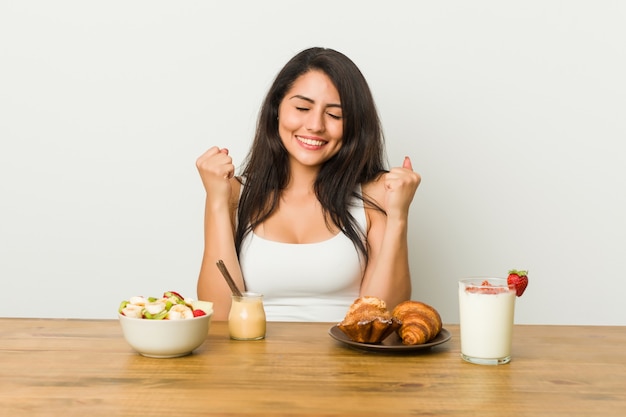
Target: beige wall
513 112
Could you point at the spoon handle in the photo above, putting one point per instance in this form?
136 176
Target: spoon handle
229 279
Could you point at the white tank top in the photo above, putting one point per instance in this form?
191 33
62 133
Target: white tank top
304 282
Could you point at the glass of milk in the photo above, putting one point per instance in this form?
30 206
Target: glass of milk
486 310
246 320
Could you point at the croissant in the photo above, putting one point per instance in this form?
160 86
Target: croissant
368 321
420 322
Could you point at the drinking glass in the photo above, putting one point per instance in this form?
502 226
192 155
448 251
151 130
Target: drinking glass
486 311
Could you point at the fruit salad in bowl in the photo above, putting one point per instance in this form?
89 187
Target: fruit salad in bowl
171 306
165 327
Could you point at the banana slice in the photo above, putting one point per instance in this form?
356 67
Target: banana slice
133 310
137 300
180 311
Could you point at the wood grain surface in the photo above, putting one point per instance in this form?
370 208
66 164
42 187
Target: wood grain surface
55 367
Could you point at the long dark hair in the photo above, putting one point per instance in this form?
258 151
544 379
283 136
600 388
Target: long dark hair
359 160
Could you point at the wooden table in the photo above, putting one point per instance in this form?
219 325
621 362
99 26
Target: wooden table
52 367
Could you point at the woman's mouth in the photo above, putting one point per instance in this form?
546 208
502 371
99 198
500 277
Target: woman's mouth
310 142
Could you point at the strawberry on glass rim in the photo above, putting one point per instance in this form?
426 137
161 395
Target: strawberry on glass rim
518 280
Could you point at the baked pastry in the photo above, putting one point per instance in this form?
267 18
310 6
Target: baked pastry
420 322
368 321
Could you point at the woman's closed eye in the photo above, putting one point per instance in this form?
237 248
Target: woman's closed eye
333 114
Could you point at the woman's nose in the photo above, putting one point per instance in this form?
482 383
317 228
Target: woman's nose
315 121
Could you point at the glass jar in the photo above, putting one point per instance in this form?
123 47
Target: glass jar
246 320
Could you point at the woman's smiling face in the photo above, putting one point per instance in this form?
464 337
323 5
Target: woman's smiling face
310 121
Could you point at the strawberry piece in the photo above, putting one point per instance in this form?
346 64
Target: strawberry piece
518 280
198 313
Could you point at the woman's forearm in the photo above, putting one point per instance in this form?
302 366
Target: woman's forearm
218 244
388 275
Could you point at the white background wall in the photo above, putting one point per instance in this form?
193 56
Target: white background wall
513 112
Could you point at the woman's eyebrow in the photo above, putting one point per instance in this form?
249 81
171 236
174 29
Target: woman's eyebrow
310 100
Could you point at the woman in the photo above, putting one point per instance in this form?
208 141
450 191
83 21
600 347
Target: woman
315 219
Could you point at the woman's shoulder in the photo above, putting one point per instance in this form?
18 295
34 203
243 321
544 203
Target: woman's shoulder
375 190
374 203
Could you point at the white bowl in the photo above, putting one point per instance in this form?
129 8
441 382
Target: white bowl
165 338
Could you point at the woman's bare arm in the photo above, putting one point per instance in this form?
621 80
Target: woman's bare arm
222 195
387 274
